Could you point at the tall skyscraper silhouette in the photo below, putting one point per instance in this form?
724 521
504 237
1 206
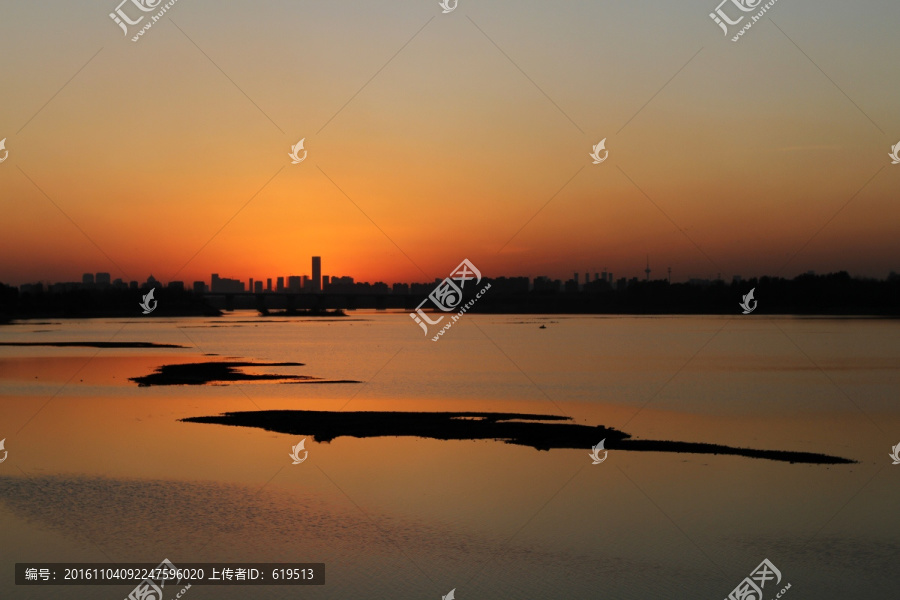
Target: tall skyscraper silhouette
317 273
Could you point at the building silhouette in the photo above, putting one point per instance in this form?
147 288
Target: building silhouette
225 285
317 273
545 284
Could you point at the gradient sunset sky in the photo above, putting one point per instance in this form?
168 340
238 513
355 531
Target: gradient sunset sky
723 157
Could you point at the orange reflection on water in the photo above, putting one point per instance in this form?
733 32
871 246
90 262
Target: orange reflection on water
94 370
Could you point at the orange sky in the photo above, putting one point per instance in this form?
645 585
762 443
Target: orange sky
451 147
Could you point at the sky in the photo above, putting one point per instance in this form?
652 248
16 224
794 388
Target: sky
434 137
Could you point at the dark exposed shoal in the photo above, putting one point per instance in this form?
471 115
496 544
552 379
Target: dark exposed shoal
220 371
94 344
542 432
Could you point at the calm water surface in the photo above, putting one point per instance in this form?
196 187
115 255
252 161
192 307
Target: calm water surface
101 470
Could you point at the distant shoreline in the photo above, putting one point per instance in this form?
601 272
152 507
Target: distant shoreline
342 313
833 295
